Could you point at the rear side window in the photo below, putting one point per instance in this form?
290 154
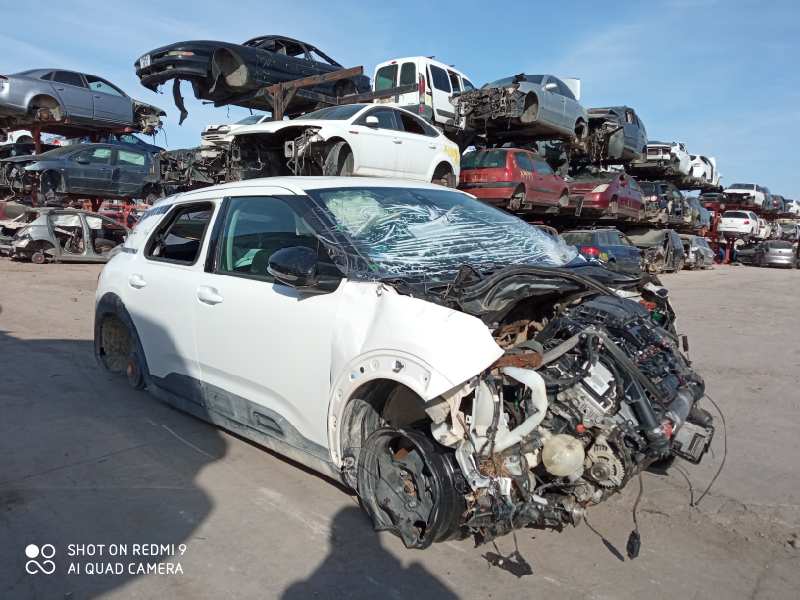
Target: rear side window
385 78
484 159
542 167
254 229
126 157
523 161
408 73
440 79
180 238
69 78
411 124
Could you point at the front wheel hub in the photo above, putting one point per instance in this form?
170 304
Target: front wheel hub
409 486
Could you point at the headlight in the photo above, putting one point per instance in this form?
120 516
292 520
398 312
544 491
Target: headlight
223 129
600 188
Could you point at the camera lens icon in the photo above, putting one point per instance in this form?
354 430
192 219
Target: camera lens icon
46 566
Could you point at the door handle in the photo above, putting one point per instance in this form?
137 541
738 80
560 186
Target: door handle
208 295
396 141
432 146
97 95
136 281
60 89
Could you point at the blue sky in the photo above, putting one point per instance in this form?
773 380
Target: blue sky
721 76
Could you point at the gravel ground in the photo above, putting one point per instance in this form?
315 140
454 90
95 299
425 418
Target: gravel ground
88 461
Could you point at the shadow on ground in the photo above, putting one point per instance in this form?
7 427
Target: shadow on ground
87 460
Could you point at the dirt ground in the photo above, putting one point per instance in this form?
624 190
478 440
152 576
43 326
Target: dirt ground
86 460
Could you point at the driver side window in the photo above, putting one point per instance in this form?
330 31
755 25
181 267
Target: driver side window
386 118
255 228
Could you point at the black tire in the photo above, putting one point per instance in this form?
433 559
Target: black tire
409 485
444 176
516 200
339 161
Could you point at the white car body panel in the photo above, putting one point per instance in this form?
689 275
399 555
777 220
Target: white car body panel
739 225
330 344
756 195
376 151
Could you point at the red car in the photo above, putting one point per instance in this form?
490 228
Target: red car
514 179
608 195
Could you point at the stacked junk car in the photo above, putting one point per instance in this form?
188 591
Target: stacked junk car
567 377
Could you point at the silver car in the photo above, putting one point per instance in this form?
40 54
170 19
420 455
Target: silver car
69 100
699 254
539 107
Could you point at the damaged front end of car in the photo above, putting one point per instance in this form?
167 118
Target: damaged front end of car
482 106
147 118
288 151
590 390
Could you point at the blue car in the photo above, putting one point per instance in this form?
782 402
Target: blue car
609 246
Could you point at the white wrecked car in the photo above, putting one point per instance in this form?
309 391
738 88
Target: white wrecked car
463 371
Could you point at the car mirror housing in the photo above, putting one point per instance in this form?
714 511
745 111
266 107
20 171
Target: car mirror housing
82 161
550 86
295 266
372 121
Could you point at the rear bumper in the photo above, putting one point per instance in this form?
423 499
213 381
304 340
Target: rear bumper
779 261
497 193
589 203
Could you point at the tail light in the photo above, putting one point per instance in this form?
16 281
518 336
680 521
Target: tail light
747 221
592 251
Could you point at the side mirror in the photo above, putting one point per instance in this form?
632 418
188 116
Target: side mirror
82 160
372 121
295 266
551 87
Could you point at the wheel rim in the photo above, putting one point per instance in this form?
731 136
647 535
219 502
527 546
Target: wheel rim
408 486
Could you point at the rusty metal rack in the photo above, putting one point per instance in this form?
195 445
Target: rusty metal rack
278 97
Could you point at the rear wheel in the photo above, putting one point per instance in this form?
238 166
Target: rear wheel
38 258
517 198
444 176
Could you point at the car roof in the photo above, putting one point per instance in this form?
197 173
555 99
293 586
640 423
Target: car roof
429 59
300 185
264 38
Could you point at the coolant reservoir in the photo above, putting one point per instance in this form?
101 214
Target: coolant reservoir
563 455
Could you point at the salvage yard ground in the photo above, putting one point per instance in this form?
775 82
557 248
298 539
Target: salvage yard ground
87 460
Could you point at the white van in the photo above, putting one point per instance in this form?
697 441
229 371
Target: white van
436 84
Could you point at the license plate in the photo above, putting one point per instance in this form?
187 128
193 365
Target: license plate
144 62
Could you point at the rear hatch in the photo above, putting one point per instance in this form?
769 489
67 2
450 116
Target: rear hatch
586 186
735 220
485 166
781 248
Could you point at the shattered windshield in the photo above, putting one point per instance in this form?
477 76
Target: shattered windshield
429 234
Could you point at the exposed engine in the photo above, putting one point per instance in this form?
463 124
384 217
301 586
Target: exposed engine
582 401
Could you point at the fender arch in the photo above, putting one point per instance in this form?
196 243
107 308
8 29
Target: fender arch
380 368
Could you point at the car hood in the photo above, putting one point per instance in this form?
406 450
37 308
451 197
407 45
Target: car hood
20 159
274 126
208 46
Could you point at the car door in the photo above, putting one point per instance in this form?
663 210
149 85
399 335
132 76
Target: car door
376 148
271 368
551 103
441 91
572 108
129 172
527 174
546 182
71 90
421 145
110 103
161 293
625 254
90 171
